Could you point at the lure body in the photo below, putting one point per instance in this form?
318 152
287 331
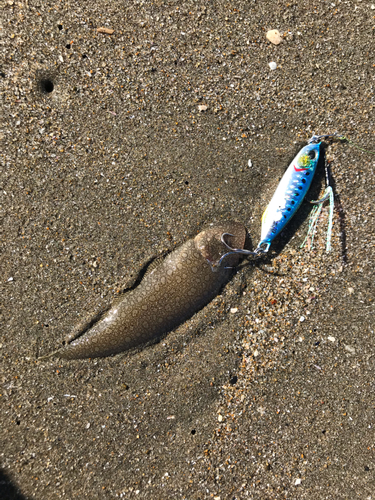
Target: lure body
289 194
168 295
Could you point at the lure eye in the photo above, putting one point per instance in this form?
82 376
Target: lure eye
311 154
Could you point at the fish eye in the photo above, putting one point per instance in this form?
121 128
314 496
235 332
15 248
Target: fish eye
312 154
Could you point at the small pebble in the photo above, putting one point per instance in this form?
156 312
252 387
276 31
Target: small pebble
298 481
302 319
350 349
272 65
220 418
274 36
233 310
10 279
331 339
350 290
250 163
202 107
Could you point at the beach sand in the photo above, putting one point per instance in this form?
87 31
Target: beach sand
118 147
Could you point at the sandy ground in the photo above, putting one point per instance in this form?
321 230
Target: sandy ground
108 159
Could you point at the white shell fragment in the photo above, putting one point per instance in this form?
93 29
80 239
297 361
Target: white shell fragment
272 65
274 36
107 31
202 107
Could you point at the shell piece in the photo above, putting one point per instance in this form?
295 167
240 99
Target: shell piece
167 296
274 37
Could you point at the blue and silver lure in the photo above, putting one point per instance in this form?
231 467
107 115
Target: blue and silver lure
288 197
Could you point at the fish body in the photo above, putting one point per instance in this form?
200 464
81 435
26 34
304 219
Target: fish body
167 296
289 194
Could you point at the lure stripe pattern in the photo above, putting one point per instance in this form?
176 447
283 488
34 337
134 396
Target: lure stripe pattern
289 194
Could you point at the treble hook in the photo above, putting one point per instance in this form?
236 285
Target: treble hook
239 251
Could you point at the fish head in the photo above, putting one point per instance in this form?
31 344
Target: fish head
210 245
307 158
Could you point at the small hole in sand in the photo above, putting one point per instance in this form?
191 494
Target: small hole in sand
46 85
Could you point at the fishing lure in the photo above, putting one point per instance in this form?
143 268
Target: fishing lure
292 190
289 195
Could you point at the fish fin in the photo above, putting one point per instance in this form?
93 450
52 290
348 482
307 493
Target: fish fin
145 268
153 265
49 355
80 329
86 323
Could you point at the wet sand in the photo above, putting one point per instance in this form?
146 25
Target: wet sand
118 147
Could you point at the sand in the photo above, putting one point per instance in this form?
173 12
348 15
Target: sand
118 147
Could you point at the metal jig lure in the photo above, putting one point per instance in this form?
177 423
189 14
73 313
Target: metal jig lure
289 195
